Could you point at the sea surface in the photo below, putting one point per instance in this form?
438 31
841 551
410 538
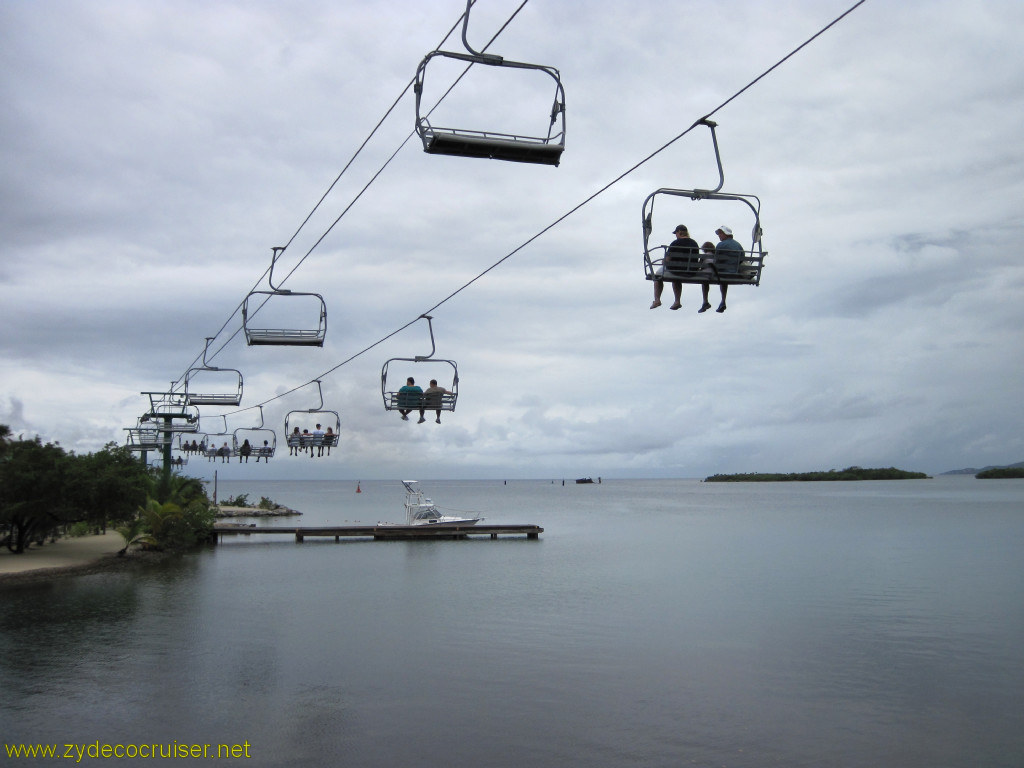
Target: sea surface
654 623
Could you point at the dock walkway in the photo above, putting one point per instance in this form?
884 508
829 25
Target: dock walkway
385 532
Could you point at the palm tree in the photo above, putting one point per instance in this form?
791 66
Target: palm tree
133 533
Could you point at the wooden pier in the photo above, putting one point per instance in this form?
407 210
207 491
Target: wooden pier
385 532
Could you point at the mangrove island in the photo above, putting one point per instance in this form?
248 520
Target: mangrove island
850 473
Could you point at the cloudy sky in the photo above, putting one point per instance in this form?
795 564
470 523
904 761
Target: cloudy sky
154 152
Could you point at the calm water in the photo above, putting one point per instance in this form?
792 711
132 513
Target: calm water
655 623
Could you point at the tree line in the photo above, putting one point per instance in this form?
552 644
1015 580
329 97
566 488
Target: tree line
1000 472
850 473
46 492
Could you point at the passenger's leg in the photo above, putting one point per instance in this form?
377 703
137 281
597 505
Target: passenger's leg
704 287
659 286
677 291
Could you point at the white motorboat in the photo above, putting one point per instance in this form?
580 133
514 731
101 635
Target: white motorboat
419 510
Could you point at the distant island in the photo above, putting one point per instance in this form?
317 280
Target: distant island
986 473
850 473
997 473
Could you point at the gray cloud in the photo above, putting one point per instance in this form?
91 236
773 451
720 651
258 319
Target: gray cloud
154 153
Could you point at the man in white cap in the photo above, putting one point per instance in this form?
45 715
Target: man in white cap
728 254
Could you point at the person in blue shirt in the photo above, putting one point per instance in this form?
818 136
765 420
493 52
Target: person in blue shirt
728 254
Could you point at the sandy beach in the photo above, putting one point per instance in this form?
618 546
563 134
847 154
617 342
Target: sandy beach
66 555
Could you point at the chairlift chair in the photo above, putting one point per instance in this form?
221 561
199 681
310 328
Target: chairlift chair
217 444
171 412
690 268
309 335
185 440
395 400
145 436
297 421
543 150
199 382
256 437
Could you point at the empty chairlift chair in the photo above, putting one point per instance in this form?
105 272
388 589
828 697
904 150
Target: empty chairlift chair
395 400
661 264
269 317
543 149
208 385
171 412
144 436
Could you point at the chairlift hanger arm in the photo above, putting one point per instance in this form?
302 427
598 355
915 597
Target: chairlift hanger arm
433 348
277 251
486 58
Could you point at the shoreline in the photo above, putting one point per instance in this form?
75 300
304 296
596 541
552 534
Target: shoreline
222 511
68 557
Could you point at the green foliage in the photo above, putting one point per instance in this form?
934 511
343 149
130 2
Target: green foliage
44 489
181 522
133 532
850 473
79 529
1000 473
241 500
266 503
108 485
33 502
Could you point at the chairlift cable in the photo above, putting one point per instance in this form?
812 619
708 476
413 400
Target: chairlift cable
352 159
575 208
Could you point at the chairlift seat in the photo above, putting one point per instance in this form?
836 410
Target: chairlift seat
214 399
285 337
478 144
691 269
403 400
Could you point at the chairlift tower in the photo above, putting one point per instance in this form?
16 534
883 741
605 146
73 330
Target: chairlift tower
169 414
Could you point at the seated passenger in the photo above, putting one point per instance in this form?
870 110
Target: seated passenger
294 442
432 398
265 451
409 398
728 254
678 256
